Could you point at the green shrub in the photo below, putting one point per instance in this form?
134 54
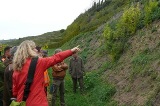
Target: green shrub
128 22
108 33
151 12
90 80
117 34
141 23
156 14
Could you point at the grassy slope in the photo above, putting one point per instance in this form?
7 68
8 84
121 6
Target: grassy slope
97 93
136 74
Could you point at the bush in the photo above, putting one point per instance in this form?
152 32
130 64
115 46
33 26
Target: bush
108 33
117 34
150 10
90 80
141 23
156 14
128 22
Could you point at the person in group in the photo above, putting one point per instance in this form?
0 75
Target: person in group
6 57
7 92
6 61
44 54
59 72
21 62
76 70
39 51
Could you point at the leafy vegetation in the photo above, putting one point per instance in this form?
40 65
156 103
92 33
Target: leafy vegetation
117 35
133 18
98 14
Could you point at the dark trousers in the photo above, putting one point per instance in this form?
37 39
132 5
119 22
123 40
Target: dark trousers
80 81
58 84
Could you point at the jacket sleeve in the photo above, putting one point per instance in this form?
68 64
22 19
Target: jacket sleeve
57 58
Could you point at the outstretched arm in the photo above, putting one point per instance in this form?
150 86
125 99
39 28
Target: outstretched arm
57 58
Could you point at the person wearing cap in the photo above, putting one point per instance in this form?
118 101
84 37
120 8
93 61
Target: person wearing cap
7 94
59 72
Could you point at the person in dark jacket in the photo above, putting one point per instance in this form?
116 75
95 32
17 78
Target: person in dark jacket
6 57
7 94
76 70
6 61
59 72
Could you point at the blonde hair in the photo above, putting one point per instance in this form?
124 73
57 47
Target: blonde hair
25 50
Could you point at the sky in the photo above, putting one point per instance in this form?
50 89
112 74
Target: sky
21 18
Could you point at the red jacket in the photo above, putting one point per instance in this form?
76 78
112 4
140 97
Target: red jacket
37 96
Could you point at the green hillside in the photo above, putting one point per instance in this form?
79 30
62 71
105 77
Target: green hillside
122 60
47 39
120 42
136 73
94 17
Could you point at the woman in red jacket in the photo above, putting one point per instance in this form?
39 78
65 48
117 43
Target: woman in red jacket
21 62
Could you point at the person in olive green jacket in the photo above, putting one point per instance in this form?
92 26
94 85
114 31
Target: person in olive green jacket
76 70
